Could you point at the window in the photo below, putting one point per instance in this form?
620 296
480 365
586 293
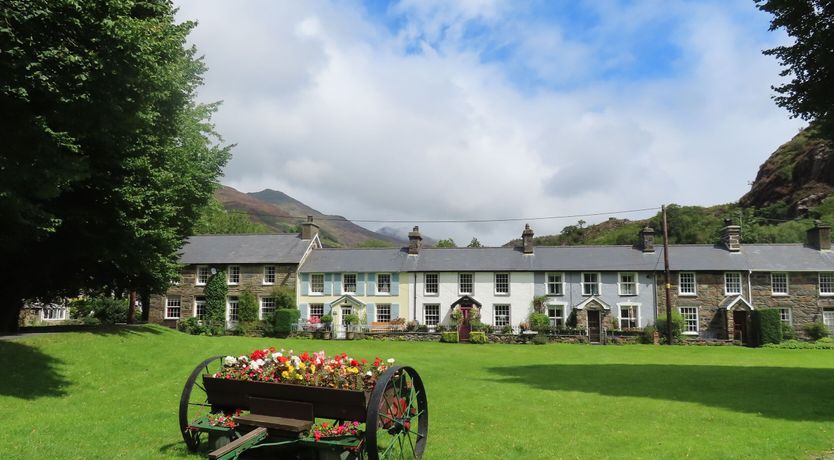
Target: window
779 283
269 274
465 283
431 284
383 283
628 283
316 310
173 306
200 307
431 314
686 283
234 274
827 283
203 274
349 283
267 306
502 283
317 283
555 284
233 303
590 284
383 312
690 320
732 283
53 313
785 315
346 310
556 313
502 315
628 317
828 317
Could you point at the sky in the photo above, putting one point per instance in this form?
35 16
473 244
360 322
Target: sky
420 110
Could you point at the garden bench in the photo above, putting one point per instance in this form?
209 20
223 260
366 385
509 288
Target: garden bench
386 327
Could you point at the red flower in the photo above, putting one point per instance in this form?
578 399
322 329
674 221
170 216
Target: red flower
354 362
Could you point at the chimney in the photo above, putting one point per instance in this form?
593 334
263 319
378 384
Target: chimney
527 239
647 239
731 236
309 230
415 241
819 236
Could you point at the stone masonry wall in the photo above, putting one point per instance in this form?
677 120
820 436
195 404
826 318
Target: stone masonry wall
251 276
709 295
803 297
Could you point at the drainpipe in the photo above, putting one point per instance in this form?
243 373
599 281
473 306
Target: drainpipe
414 295
750 287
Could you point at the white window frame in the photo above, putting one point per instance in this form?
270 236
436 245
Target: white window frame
436 284
313 291
197 301
621 283
584 283
773 291
168 305
563 317
789 315
230 310
344 284
270 270
495 315
233 280
261 301
197 276
380 307
310 313
686 330
828 319
683 293
426 316
59 311
829 284
495 278
727 283
471 283
560 284
635 306
378 284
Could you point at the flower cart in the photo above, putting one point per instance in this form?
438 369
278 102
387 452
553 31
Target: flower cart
304 406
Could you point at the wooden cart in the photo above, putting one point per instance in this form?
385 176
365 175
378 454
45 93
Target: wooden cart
393 417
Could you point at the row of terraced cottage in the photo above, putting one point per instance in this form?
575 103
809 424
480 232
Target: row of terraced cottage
714 287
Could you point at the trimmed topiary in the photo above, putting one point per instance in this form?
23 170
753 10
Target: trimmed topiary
449 337
215 292
767 326
477 337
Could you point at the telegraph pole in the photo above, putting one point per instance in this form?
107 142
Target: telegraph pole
670 339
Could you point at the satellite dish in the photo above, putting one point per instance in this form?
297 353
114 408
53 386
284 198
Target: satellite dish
213 271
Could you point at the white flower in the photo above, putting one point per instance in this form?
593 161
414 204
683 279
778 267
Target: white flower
368 373
254 365
242 358
259 362
277 355
390 360
229 361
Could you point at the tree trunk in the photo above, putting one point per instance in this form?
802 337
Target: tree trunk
10 307
131 307
145 295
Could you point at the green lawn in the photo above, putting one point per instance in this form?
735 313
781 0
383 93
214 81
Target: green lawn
115 394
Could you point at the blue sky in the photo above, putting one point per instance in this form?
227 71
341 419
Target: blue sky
476 109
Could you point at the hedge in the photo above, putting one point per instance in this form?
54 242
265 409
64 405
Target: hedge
477 337
449 337
767 326
282 321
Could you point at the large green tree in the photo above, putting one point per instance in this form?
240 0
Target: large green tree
106 157
808 61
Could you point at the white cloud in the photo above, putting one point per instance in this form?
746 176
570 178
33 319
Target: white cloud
339 112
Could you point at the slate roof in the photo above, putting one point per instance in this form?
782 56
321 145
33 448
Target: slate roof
244 249
756 257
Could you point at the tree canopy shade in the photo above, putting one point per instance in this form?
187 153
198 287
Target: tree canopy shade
106 159
809 61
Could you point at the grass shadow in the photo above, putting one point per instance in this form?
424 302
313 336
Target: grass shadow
800 394
107 329
30 373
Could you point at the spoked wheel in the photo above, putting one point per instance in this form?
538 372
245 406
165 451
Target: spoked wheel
194 401
398 417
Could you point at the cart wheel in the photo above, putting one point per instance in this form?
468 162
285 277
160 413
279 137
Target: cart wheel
194 401
398 417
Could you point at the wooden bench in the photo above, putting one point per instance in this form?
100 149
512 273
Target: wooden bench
251 438
387 327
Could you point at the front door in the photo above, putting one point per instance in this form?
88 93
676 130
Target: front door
740 330
594 326
465 327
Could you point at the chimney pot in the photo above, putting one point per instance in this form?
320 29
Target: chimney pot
527 239
415 241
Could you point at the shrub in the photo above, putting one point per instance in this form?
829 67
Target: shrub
215 292
412 326
539 303
327 319
648 335
539 339
351 319
825 343
816 331
193 326
281 322
572 320
422 328
440 328
477 337
449 337
538 321
788 332
767 326
506 329
476 325
677 326
284 298
247 306
489 328
107 310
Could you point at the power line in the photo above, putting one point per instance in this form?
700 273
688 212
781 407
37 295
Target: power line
451 221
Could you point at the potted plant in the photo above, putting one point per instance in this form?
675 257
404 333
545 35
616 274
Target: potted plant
351 321
326 321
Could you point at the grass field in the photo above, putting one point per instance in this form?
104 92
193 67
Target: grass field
114 394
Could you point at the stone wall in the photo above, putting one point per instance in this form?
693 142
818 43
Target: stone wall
803 297
251 276
713 321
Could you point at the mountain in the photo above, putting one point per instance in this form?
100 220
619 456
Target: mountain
281 213
794 187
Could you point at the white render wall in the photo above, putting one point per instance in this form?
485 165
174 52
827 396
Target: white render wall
519 298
